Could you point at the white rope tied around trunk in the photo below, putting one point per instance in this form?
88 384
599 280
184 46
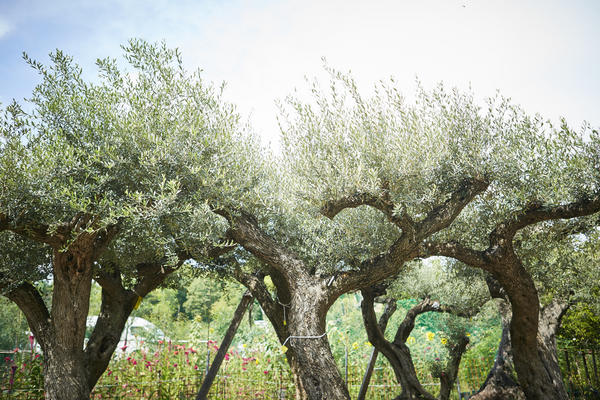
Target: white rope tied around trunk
284 349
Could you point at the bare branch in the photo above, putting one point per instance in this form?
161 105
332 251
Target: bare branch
457 251
442 216
534 213
30 302
380 202
245 231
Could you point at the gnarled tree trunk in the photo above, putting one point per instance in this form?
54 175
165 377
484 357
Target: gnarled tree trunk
308 338
70 370
398 353
500 383
390 308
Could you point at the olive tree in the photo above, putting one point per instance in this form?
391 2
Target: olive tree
561 181
365 182
103 178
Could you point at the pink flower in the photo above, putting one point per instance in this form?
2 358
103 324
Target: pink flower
175 365
7 359
195 367
134 362
265 372
124 348
161 341
31 341
109 372
243 369
226 357
37 356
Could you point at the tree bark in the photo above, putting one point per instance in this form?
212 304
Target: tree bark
398 353
500 383
308 338
276 312
225 343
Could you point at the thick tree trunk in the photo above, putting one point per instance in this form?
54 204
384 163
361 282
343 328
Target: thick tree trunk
227 339
66 376
70 372
317 368
538 371
500 383
276 311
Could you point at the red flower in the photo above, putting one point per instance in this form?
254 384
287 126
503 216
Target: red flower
226 357
195 367
265 372
175 365
7 359
124 348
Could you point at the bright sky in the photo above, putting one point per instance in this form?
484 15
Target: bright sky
544 54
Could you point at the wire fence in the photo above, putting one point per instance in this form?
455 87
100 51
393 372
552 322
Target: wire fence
579 367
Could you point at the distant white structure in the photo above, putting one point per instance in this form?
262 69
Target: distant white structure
136 330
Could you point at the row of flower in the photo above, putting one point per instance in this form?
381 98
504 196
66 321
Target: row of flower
166 370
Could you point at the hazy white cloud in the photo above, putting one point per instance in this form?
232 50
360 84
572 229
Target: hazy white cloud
5 27
533 52
541 53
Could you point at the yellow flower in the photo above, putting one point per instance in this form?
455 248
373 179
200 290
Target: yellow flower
368 344
430 335
410 340
355 345
284 349
256 361
244 345
468 334
444 340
